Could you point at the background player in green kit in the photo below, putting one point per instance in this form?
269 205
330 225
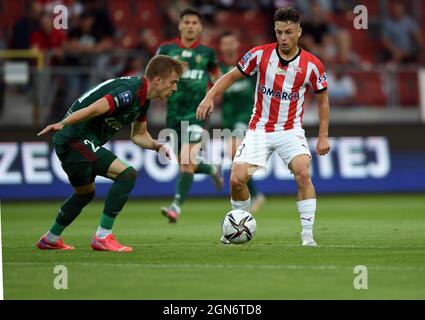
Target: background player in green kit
236 105
201 67
91 121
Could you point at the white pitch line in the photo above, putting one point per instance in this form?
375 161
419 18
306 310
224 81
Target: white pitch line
216 266
330 246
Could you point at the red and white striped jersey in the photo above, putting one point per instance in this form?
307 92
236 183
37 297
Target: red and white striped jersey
281 86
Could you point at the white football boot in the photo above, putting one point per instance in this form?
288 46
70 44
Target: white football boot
307 239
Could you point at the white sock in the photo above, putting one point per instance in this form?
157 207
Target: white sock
241 205
102 233
51 237
307 210
176 207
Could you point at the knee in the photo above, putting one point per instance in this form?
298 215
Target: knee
85 198
237 182
129 174
187 168
302 177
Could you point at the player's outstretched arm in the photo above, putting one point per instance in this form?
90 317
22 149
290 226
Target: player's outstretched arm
141 137
206 106
97 108
323 146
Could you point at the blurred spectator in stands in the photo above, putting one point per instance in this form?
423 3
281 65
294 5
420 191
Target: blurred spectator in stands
48 39
324 39
25 26
307 7
172 16
87 48
318 34
147 43
51 42
2 87
103 28
400 35
208 9
134 67
342 88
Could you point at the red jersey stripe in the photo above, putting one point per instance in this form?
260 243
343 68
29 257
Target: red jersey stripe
298 82
263 65
275 101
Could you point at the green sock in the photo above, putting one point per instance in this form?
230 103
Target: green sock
118 193
69 211
106 221
57 228
205 168
184 182
252 188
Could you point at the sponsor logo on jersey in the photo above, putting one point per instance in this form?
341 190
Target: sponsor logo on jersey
124 98
245 59
282 95
186 53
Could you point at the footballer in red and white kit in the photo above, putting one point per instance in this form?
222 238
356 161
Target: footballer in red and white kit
279 103
284 73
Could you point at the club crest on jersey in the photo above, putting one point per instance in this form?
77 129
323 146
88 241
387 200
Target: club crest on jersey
124 98
198 59
282 95
280 71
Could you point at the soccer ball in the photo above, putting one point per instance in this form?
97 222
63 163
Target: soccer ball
238 226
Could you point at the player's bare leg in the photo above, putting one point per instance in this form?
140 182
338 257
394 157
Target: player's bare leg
241 173
124 179
257 198
300 166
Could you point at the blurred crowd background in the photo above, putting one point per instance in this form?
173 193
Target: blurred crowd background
373 72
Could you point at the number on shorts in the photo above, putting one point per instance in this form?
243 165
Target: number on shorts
241 147
86 142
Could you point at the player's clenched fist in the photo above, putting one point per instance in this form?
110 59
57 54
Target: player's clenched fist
322 146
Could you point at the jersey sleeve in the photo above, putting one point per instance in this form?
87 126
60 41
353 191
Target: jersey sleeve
120 97
248 65
318 78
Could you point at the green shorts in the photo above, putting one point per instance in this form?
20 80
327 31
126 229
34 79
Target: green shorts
82 161
192 133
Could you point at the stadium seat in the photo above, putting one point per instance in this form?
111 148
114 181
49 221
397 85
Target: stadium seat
369 89
407 82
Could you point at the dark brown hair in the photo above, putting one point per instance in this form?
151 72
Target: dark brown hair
162 65
287 14
190 12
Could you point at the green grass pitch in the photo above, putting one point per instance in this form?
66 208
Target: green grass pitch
385 233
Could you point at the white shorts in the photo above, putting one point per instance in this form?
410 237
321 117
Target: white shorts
257 146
